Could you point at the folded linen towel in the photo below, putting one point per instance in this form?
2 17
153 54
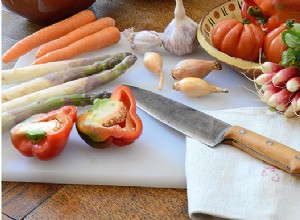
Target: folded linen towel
226 182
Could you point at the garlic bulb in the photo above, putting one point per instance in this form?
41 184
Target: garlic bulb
180 35
143 41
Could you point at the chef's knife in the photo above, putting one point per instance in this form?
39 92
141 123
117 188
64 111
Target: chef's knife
212 131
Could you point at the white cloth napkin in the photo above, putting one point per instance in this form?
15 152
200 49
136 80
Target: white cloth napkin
228 183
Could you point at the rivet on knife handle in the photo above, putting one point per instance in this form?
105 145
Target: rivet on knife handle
265 149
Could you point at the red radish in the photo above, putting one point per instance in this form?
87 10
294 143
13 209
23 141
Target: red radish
265 78
268 67
293 84
269 92
280 100
284 75
293 108
279 87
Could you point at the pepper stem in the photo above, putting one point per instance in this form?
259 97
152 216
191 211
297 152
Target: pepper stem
256 12
36 135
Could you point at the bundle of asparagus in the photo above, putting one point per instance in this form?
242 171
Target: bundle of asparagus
57 78
81 85
17 75
62 87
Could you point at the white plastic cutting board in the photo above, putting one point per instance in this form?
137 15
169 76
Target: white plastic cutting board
156 159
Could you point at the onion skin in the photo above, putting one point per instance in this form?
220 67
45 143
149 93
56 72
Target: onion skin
194 68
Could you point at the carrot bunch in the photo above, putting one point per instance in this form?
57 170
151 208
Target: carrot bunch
76 35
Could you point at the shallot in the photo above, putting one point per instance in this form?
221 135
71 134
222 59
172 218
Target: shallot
194 68
154 62
196 87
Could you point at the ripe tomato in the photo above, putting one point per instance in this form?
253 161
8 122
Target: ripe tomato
273 44
238 39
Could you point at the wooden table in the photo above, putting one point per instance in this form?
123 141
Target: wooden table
58 201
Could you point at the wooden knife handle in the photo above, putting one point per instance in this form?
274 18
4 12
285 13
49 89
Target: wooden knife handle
265 149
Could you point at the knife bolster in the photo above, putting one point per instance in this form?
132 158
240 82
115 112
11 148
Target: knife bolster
265 149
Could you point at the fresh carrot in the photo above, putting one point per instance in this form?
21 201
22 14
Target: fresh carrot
75 35
47 34
104 38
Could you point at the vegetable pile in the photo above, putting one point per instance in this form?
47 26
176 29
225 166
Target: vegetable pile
189 77
78 34
280 89
280 83
112 119
79 85
179 37
259 33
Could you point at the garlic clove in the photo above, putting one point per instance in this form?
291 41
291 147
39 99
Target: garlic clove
143 41
180 36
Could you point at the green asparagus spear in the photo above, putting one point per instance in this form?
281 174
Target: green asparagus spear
57 78
82 85
27 73
15 116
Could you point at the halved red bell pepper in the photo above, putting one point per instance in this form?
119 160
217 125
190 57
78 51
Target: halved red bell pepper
111 121
44 135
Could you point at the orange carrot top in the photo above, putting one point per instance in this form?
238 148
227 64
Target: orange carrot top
47 34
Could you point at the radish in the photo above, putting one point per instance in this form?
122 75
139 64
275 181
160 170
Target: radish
293 84
284 75
269 92
293 108
268 67
280 100
265 78
279 87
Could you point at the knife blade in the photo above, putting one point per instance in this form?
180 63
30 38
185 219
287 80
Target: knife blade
212 131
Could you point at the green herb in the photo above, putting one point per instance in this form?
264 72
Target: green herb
290 57
291 38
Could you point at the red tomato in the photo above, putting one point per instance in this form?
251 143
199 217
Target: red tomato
237 39
273 45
